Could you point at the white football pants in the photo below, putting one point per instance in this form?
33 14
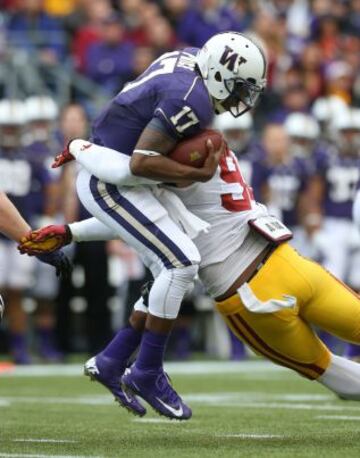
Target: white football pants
135 216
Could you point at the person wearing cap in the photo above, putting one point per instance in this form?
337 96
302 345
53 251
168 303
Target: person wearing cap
109 61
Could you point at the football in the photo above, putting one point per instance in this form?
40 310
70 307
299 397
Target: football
193 150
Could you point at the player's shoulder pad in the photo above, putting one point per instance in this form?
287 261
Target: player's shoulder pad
188 111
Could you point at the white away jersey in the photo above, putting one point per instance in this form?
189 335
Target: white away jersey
227 204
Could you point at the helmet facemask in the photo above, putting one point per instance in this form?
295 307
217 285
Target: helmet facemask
243 96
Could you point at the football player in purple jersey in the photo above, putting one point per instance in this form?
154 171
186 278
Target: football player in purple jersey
41 116
174 98
18 177
332 191
238 134
330 199
353 137
284 175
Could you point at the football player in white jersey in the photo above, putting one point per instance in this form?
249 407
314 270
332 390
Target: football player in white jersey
267 293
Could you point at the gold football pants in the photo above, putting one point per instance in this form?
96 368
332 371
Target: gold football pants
286 337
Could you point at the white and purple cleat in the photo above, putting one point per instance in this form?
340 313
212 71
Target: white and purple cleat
154 387
107 372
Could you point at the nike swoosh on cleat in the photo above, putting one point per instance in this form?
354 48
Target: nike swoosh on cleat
177 412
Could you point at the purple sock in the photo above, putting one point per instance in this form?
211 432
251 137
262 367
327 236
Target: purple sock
352 351
237 348
123 344
18 347
152 349
47 347
182 338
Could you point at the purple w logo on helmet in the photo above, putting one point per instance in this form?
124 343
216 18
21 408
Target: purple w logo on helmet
230 58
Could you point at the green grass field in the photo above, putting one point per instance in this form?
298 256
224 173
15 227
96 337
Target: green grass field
251 409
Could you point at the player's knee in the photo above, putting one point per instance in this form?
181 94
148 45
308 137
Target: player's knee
185 275
169 289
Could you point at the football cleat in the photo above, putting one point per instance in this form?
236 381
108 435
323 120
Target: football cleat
154 387
107 372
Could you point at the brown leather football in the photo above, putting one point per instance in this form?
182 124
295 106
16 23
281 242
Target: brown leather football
193 151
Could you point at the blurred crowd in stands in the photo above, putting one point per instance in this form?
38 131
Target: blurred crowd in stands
301 143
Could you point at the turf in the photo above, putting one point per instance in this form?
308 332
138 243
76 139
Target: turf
244 410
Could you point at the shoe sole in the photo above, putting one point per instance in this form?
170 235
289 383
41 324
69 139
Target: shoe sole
135 392
116 398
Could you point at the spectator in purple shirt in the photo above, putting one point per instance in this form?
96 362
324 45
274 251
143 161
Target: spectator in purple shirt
207 18
109 62
34 30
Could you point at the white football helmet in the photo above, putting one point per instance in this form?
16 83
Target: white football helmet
301 125
304 131
12 123
346 131
237 131
41 108
233 68
12 112
41 112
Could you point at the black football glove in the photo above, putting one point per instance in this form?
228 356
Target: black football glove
59 260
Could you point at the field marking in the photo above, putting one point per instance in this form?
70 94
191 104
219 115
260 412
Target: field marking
228 396
286 406
38 455
159 420
48 441
216 400
337 417
247 368
253 436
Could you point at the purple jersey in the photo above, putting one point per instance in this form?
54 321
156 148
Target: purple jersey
286 182
170 93
341 175
41 155
196 26
108 65
20 179
252 167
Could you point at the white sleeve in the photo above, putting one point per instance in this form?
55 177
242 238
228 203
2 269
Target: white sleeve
91 229
356 209
106 164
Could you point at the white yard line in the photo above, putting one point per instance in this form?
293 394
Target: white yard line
177 368
78 400
159 420
287 406
47 441
338 417
252 436
255 396
216 400
39 455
